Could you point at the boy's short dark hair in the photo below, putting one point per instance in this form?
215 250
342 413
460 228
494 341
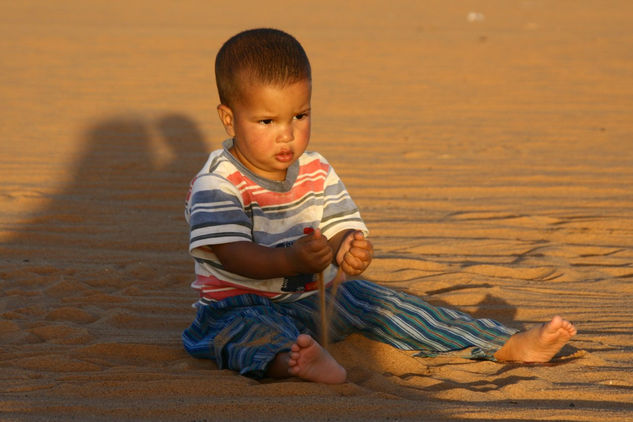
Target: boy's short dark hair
263 55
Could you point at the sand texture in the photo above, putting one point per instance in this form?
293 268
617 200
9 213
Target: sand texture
489 145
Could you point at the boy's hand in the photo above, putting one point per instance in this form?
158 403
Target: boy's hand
311 253
355 254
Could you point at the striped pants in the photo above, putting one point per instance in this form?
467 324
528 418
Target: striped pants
245 333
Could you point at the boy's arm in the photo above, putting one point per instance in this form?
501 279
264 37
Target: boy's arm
309 254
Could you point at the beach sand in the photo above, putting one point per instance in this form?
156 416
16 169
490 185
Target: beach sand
488 144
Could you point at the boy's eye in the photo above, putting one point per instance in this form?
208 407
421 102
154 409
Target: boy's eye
301 116
265 121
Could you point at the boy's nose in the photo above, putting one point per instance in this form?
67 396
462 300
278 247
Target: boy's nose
286 134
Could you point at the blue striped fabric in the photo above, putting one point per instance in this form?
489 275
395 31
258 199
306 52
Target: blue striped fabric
244 333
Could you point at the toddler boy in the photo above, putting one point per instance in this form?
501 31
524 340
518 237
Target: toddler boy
256 269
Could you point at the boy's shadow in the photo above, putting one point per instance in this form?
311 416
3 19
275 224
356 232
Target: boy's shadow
125 199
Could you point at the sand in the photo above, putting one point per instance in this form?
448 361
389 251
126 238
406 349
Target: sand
489 145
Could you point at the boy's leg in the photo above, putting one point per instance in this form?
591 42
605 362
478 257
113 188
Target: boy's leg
244 334
257 338
409 323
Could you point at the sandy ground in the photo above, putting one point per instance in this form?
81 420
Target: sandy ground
489 145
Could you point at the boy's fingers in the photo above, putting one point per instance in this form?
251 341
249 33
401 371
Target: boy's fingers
361 252
357 253
326 256
353 260
361 244
320 250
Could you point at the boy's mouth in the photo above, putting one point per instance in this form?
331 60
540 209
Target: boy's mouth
284 156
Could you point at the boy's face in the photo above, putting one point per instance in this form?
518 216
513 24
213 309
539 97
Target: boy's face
270 126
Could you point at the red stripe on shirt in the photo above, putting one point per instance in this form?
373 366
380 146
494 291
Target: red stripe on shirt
252 192
208 287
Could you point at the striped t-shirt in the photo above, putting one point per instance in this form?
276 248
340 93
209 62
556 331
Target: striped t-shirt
229 203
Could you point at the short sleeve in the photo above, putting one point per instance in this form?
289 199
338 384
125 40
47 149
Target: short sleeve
339 210
216 213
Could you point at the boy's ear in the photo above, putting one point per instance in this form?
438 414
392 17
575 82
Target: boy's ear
226 117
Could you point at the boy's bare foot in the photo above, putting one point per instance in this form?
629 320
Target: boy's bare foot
538 344
311 362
